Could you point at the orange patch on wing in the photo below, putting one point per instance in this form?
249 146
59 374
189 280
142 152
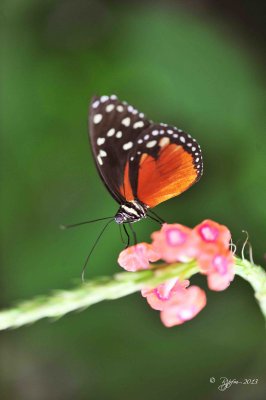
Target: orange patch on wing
165 177
126 189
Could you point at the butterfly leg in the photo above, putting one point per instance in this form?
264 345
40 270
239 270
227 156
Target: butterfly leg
121 235
128 238
134 233
157 216
154 219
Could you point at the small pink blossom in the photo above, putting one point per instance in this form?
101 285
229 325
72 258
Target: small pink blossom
183 306
159 296
208 234
137 257
173 243
221 271
207 244
218 264
214 257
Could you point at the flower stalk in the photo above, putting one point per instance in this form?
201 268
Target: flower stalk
256 276
122 284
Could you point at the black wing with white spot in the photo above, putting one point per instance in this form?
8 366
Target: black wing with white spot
114 127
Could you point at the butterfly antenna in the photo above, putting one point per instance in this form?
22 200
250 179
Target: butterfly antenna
93 247
83 223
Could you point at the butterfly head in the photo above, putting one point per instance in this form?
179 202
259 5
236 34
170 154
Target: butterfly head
131 211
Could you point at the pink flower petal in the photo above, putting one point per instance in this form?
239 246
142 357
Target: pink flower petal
211 232
173 243
183 306
221 272
137 257
158 297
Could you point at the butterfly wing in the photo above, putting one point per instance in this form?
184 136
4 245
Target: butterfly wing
163 163
113 129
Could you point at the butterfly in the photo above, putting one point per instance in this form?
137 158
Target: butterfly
141 163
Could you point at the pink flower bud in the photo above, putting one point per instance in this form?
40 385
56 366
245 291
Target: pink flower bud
137 257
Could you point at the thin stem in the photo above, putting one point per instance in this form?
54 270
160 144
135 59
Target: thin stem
120 285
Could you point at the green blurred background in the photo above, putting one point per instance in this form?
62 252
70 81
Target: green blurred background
195 64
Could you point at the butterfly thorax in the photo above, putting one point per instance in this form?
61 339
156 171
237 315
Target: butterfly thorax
131 211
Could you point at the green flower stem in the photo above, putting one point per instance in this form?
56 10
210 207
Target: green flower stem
120 285
88 293
256 276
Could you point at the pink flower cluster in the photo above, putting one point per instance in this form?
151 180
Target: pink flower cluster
207 243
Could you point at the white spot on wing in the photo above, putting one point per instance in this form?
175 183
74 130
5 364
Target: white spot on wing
100 141
146 137
102 153
151 144
138 124
120 108
164 142
182 139
95 104
111 132
109 108
126 121
119 135
128 145
104 99
155 132
97 118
